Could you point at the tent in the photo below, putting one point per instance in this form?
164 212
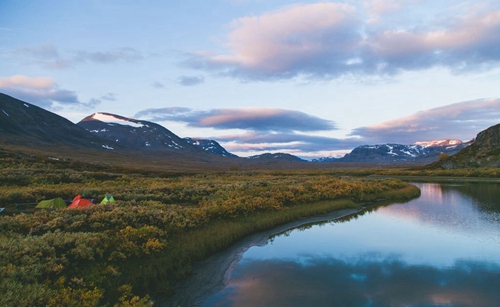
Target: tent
57 202
107 199
79 202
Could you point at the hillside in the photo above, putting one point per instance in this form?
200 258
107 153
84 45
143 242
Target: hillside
483 152
32 131
276 158
25 123
136 134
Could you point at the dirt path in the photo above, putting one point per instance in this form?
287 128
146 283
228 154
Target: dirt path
211 275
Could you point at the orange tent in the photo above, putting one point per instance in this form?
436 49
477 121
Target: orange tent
79 202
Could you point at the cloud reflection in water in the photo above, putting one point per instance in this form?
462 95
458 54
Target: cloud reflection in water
361 282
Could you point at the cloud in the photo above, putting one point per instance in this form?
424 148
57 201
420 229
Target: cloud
286 141
125 55
330 40
109 97
301 39
48 56
157 85
190 81
382 7
267 129
47 51
41 91
254 119
461 120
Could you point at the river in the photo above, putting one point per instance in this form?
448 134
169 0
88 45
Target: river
442 249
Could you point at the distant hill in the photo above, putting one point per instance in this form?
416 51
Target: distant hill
276 157
210 146
23 122
421 152
483 152
324 159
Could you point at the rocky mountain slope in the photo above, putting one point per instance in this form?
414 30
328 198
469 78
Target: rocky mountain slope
483 152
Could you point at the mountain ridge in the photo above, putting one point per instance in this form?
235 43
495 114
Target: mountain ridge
420 152
25 123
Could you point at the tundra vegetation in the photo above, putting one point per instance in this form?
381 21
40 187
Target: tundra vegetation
126 252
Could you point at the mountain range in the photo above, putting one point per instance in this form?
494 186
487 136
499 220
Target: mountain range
420 153
25 123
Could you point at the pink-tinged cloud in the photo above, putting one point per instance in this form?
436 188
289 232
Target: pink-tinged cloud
284 42
382 7
41 91
466 42
461 121
329 40
254 119
25 82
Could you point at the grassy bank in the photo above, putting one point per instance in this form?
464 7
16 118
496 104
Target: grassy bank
197 244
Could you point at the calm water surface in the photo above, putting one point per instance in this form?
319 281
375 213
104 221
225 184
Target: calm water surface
442 249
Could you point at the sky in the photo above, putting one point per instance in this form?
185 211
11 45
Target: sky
309 78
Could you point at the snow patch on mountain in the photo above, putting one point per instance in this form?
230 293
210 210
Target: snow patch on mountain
439 143
209 146
110 119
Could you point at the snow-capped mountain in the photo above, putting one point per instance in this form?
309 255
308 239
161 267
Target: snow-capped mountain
210 146
324 159
132 132
419 152
141 134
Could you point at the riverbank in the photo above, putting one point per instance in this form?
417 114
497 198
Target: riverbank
211 274
438 179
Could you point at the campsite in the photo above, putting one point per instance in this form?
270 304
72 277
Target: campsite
78 201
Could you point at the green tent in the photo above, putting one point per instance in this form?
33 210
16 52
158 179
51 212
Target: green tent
107 199
57 202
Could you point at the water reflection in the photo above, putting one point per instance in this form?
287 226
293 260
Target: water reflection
467 209
439 250
364 282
